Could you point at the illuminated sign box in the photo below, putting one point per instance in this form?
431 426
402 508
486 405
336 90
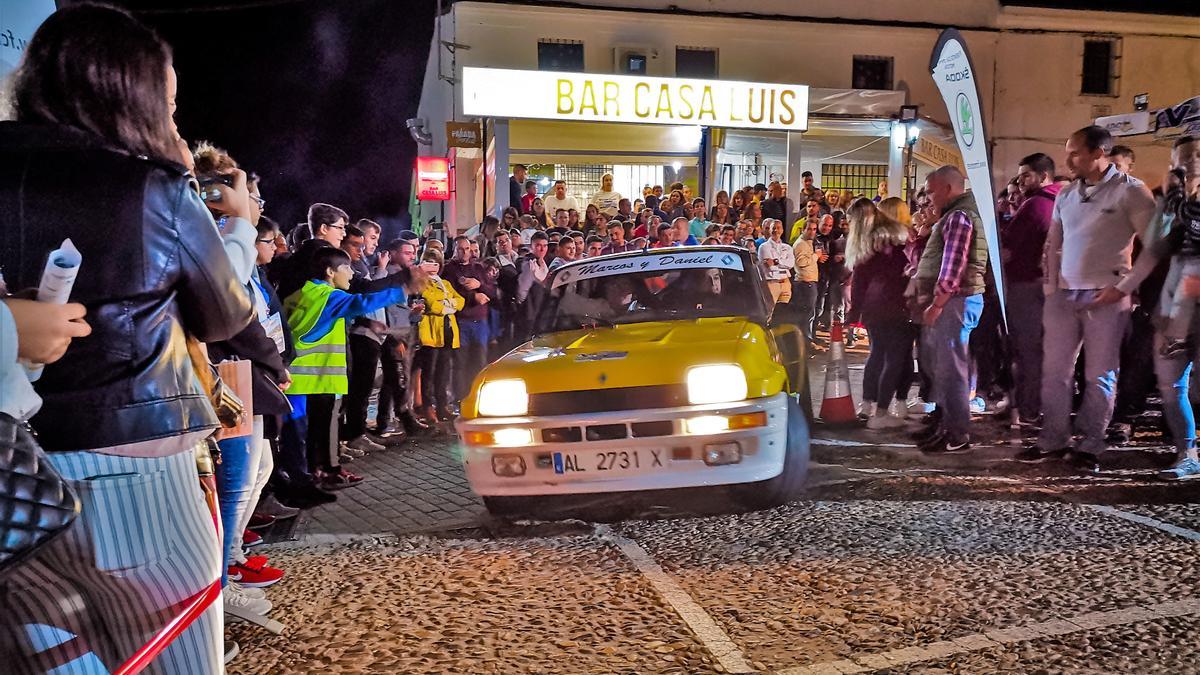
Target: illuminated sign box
489 92
433 178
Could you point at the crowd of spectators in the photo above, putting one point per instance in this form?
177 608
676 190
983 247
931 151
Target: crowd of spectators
184 270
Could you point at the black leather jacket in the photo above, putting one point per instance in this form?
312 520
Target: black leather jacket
154 269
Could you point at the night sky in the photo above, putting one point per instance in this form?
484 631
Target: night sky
310 94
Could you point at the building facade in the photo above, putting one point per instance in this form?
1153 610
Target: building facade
1042 73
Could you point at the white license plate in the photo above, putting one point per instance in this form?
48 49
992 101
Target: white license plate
606 461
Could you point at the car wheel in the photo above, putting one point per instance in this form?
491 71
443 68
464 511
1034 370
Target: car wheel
789 484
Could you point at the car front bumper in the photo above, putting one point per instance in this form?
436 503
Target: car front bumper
671 458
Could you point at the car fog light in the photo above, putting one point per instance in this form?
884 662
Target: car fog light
722 453
511 438
509 466
709 424
748 420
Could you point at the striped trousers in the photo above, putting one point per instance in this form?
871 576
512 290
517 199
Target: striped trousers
144 541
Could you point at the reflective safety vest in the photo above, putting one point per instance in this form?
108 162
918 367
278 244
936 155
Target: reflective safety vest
320 365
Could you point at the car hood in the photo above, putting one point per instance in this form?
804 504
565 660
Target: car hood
637 355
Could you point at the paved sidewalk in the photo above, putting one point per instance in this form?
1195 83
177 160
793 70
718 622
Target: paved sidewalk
414 487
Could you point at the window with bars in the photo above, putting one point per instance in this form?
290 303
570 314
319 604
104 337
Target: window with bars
561 55
1099 76
861 179
871 72
583 180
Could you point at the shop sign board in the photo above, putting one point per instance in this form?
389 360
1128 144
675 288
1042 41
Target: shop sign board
594 97
464 135
433 178
1127 125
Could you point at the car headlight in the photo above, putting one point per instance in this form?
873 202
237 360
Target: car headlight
716 384
503 398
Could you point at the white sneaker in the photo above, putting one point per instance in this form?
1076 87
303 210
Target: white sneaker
231 651
255 593
239 604
918 407
866 410
897 409
885 421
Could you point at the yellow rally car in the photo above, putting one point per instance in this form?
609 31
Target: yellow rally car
649 370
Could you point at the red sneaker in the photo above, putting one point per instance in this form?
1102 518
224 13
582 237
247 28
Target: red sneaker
254 577
337 481
255 561
251 539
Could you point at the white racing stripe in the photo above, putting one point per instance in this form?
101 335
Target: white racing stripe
866 663
711 635
1147 521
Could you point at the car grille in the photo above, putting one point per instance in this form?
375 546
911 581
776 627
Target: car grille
608 400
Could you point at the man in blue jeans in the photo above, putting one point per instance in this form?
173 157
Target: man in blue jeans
470 278
949 285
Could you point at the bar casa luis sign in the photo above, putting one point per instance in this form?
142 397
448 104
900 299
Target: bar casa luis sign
588 97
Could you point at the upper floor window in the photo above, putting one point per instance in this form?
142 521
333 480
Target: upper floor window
700 62
563 55
872 72
1099 76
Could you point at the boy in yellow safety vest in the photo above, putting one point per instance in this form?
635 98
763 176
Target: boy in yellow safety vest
317 315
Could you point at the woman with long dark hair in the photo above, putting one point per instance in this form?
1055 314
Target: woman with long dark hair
92 155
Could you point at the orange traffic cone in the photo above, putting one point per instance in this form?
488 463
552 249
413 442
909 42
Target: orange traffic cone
838 405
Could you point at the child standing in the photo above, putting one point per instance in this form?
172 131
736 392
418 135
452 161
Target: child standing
317 315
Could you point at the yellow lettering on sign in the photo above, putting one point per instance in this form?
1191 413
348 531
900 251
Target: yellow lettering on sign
588 98
733 107
610 96
707 105
762 105
685 92
789 115
664 101
637 99
565 96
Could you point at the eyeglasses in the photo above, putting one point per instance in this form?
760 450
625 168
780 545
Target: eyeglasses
337 227
262 203
266 241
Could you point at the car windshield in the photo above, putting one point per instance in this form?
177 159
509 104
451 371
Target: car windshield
652 295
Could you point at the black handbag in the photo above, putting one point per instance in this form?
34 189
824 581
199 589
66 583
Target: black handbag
36 504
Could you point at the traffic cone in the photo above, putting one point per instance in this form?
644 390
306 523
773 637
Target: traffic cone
838 405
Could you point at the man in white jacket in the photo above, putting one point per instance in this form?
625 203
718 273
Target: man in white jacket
778 259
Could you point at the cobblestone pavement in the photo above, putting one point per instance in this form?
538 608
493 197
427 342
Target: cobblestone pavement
832 586
894 562
413 487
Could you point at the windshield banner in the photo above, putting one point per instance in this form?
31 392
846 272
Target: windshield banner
950 65
664 262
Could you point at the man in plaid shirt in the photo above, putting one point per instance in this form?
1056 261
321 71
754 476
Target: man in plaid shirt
950 285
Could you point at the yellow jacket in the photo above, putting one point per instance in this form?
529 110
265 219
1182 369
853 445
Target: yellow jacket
442 302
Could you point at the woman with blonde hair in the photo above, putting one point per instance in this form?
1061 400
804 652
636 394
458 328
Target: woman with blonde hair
896 209
875 254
